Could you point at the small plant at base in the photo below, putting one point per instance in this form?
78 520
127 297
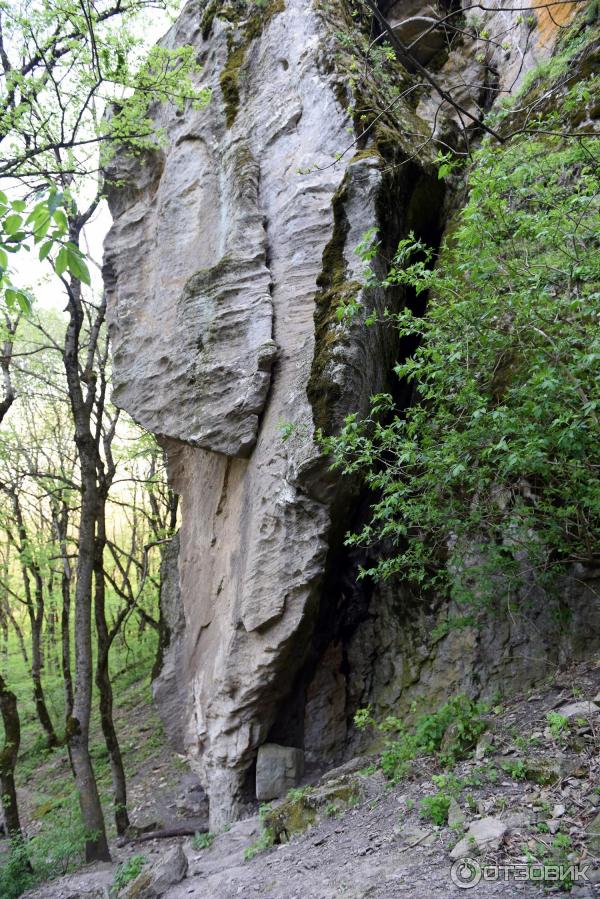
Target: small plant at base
450 733
297 793
515 769
266 838
557 724
470 800
435 808
363 718
126 872
202 841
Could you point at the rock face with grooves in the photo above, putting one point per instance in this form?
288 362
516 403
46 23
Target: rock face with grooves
211 270
231 251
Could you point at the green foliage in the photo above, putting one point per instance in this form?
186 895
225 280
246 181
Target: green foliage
45 226
202 841
435 808
266 838
14 876
297 793
60 72
557 724
126 872
516 769
449 734
498 458
55 850
165 76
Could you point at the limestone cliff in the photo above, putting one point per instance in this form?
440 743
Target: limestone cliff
230 254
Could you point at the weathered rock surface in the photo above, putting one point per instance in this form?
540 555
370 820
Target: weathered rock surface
212 270
230 253
278 769
155 880
482 836
574 710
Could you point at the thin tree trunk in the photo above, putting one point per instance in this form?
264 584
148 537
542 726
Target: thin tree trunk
18 632
36 618
8 762
103 681
78 723
35 610
61 523
65 632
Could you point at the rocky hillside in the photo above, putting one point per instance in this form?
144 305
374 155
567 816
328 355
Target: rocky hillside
228 268
528 798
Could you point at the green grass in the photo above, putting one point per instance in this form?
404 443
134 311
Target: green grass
48 805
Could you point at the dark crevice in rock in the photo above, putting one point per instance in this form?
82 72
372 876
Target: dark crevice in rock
407 200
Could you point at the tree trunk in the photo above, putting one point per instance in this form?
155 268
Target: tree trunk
36 618
18 632
65 632
61 523
103 680
35 610
8 761
78 723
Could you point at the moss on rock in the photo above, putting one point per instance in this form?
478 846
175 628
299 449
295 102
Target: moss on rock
334 290
384 132
249 19
303 808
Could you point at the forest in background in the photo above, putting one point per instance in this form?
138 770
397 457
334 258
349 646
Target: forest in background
40 522
85 510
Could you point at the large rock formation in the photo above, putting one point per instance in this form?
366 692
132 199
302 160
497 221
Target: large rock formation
230 255
212 268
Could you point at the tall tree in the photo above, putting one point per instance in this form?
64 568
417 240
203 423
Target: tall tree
62 64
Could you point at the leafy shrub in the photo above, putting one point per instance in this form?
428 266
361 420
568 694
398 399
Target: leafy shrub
449 733
557 723
57 849
266 838
202 841
516 769
15 877
497 460
126 872
435 808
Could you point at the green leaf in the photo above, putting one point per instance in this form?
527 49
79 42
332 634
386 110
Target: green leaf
61 220
24 300
45 249
55 200
78 267
62 261
12 223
